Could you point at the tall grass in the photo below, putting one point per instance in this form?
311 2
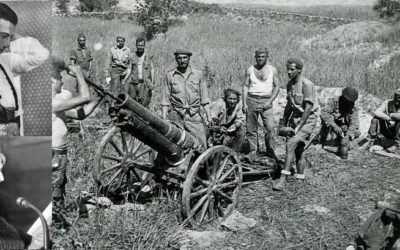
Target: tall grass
224 48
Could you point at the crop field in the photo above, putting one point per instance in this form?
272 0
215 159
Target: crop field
223 46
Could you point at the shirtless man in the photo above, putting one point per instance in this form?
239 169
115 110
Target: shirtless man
260 89
65 105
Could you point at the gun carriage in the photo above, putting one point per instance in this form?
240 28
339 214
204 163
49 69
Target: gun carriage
209 180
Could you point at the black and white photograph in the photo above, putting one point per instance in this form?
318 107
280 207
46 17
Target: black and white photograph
225 124
25 192
25 69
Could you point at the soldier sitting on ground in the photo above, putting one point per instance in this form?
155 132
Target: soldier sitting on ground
340 119
227 115
385 126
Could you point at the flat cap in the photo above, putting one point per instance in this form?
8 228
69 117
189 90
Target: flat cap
350 93
261 51
182 51
299 63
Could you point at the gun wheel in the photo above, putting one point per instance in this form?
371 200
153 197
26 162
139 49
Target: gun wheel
113 171
212 186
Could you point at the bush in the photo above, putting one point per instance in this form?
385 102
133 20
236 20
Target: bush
96 5
153 14
388 8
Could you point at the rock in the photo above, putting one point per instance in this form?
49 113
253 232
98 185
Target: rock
128 207
315 208
238 222
189 238
101 202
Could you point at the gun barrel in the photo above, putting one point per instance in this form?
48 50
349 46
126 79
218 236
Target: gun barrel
166 138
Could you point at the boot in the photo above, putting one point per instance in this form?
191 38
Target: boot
343 152
280 184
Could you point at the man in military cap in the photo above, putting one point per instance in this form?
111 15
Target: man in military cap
260 88
340 118
227 114
386 121
299 119
183 93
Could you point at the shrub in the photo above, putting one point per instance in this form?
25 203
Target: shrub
96 5
388 8
153 14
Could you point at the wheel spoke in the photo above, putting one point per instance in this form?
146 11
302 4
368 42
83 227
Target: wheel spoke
227 184
198 205
202 182
111 158
136 147
204 210
110 168
222 166
131 143
112 142
211 208
113 177
136 174
227 173
123 140
223 195
199 192
143 153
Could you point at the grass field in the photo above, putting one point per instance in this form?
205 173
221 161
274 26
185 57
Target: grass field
223 47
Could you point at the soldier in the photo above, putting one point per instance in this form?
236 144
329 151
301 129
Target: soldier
183 93
118 61
227 114
82 56
65 105
386 121
18 54
341 119
140 77
260 88
299 117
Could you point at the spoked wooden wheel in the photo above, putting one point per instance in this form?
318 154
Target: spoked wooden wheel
113 170
212 186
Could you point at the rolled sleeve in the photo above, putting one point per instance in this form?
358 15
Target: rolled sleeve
72 55
309 92
327 112
26 54
204 99
165 93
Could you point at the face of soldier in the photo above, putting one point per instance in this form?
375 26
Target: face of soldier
120 43
140 46
82 42
397 100
292 71
231 101
182 60
261 59
7 30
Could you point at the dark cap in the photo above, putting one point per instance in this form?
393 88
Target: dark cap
182 51
299 63
261 51
350 94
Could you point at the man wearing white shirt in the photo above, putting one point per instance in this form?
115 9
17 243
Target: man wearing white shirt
18 54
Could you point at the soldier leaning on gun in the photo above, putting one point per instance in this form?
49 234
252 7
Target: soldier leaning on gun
340 118
183 93
227 114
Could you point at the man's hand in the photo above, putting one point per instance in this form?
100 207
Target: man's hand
296 130
337 130
75 70
231 129
244 108
108 80
268 106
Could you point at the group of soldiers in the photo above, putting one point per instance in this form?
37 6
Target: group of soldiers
185 101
